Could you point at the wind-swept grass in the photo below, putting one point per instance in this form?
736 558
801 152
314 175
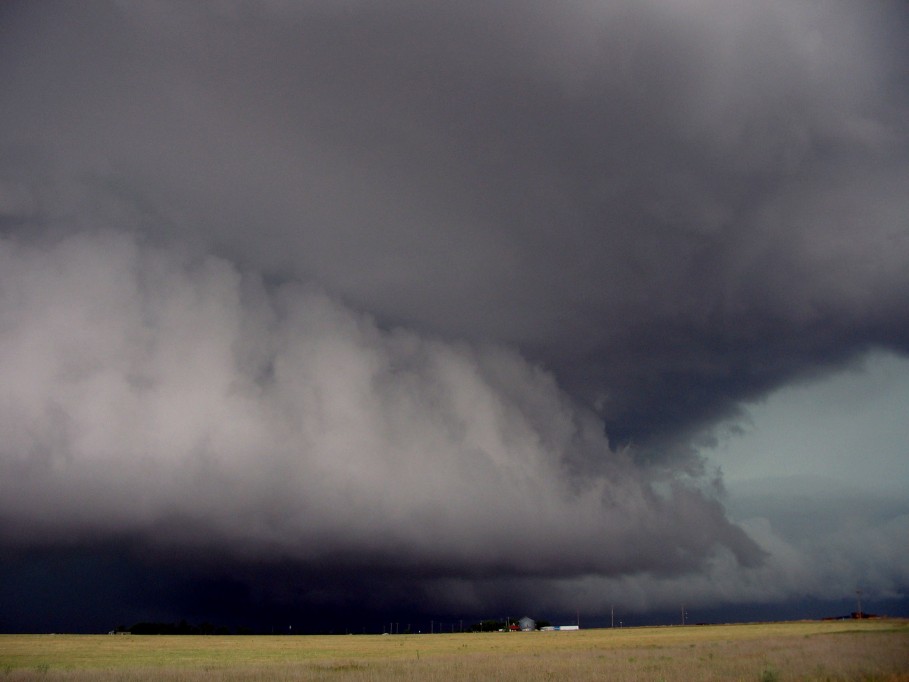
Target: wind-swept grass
837 651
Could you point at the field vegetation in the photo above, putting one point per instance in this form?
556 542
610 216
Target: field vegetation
830 651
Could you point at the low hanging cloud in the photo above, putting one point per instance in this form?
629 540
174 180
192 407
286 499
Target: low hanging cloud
148 393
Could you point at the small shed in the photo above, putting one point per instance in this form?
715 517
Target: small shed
527 624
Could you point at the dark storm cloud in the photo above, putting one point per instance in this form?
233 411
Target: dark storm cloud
348 280
672 206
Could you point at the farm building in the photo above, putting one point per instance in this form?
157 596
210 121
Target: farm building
527 624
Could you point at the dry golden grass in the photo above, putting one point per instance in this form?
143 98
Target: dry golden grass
833 651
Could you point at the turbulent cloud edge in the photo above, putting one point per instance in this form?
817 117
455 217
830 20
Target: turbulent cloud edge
179 399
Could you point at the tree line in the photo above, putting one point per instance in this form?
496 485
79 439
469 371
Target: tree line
181 628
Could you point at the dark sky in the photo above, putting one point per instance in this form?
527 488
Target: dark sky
366 308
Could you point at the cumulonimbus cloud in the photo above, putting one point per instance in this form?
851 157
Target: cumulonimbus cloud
368 282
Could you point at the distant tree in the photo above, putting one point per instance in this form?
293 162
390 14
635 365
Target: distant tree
488 626
149 628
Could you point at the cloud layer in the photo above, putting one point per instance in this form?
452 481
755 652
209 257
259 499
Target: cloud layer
444 290
673 206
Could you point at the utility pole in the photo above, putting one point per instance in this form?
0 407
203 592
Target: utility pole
858 594
612 616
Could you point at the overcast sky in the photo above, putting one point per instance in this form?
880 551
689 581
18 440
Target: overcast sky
449 308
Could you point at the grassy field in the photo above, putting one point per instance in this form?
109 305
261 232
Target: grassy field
840 650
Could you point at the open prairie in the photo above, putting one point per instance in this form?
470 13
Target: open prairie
840 650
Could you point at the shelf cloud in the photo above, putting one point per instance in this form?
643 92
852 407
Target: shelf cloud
152 394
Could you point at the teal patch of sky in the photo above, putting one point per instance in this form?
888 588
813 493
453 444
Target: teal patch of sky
850 428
